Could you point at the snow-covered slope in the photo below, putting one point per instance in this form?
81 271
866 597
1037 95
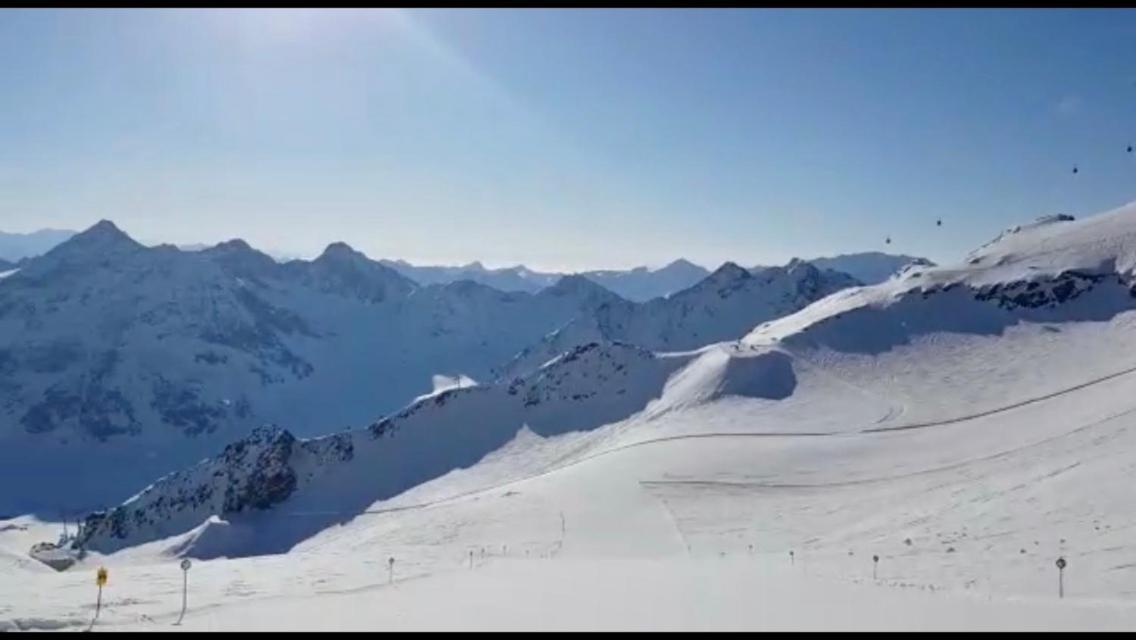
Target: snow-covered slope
870 267
723 306
344 473
1029 272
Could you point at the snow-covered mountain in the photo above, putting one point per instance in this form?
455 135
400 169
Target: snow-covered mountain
166 353
580 385
638 285
344 473
155 356
17 246
6 266
870 267
1056 268
518 278
642 284
725 305
604 396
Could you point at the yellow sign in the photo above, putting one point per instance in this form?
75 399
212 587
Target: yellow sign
101 576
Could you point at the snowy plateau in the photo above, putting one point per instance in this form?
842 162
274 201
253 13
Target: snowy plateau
336 446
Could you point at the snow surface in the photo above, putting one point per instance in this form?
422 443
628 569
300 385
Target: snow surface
445 383
967 424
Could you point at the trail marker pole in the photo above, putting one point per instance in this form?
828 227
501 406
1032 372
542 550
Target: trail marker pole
100 580
471 558
1061 577
792 558
390 570
875 565
185 565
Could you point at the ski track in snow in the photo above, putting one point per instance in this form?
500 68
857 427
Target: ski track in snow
775 434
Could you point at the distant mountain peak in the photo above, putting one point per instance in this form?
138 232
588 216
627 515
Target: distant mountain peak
103 226
574 281
682 263
236 244
338 249
728 276
343 269
577 284
343 253
95 241
729 270
104 231
238 258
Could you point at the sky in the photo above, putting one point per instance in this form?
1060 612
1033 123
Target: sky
566 139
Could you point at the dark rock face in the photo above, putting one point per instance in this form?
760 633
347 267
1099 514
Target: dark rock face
1035 294
261 336
101 413
182 407
1045 292
270 480
254 473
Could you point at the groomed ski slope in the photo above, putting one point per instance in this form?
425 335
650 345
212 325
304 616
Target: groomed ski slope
965 444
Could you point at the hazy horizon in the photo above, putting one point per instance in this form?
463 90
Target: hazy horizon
283 256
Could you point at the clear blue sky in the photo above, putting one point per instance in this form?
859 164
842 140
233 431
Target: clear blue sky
566 139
